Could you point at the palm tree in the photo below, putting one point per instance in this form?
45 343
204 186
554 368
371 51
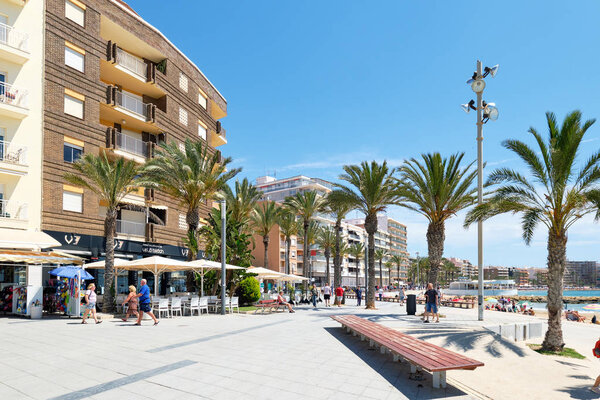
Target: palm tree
192 176
242 201
338 208
111 181
437 188
326 241
397 259
306 205
343 251
356 251
380 254
309 236
289 226
388 266
371 191
264 217
557 194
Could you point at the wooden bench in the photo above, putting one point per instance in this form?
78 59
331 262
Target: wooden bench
265 305
420 354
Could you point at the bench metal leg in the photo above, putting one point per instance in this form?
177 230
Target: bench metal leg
382 350
371 343
439 378
396 358
413 368
362 338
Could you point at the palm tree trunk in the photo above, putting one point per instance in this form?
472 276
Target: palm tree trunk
435 245
337 272
557 255
357 265
380 274
328 274
305 271
398 272
108 304
288 241
266 244
192 218
371 228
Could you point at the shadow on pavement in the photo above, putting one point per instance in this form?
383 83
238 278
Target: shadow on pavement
395 373
581 392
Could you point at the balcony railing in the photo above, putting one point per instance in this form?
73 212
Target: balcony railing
133 104
131 145
131 228
13 153
13 38
13 95
133 64
13 210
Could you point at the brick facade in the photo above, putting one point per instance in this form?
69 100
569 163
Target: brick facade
57 124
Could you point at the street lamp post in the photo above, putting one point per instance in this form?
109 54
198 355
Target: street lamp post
418 276
223 253
485 112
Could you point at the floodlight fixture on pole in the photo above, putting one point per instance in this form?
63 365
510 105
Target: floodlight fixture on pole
485 112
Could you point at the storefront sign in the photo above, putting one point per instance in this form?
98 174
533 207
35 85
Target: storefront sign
95 245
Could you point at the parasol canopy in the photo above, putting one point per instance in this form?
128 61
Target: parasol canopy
71 272
592 307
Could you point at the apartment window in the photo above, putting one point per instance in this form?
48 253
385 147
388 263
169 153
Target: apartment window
75 11
202 98
74 57
183 116
183 82
201 130
74 103
72 152
72 201
182 222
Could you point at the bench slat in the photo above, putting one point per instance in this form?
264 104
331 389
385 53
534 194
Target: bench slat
428 356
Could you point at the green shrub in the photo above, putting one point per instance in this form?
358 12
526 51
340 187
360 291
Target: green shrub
249 290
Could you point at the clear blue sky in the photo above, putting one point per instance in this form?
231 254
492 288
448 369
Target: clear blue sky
313 85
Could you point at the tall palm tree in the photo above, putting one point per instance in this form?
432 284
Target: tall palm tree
326 241
289 226
357 250
556 194
192 175
242 201
344 249
388 266
437 188
264 218
397 259
371 190
339 209
111 181
380 254
309 237
306 205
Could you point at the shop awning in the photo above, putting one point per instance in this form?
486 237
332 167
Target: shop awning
36 257
25 240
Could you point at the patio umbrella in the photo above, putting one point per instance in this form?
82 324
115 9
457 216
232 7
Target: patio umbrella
491 300
592 307
119 264
71 272
207 265
157 265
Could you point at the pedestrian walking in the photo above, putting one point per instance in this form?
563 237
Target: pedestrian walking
339 294
314 295
90 304
380 294
596 351
145 306
132 303
358 296
327 294
432 302
402 296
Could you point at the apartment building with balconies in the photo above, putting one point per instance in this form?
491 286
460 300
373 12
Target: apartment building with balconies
21 88
353 231
115 85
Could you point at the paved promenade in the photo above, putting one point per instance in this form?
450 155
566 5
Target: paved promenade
282 355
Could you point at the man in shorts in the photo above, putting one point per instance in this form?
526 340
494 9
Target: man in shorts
145 305
339 294
432 303
327 294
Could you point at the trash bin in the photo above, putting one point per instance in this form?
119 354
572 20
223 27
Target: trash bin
411 304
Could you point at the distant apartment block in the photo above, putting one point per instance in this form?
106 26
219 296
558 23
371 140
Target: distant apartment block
582 273
391 235
467 270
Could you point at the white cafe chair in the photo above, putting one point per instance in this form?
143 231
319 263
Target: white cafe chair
203 304
192 305
163 307
176 306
